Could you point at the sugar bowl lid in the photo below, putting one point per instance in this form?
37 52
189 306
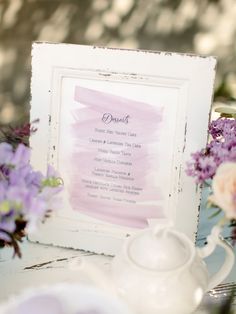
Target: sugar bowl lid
159 249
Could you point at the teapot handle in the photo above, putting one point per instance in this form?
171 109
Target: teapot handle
214 239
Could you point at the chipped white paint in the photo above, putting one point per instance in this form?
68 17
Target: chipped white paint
192 77
42 265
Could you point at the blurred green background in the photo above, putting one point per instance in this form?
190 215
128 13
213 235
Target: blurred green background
203 26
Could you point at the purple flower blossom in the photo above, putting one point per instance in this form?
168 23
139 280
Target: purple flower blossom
25 195
21 156
6 153
221 148
223 129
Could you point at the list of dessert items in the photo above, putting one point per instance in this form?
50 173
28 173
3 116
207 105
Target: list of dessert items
115 158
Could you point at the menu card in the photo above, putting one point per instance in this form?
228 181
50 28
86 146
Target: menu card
114 158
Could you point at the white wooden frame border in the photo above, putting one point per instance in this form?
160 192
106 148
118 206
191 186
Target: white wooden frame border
185 197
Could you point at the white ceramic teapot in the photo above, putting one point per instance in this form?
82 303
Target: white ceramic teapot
159 271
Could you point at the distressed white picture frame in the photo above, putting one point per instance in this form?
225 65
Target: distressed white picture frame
180 85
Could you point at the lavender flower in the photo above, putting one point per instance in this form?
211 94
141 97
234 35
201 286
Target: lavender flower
6 153
25 195
206 164
20 157
223 128
221 148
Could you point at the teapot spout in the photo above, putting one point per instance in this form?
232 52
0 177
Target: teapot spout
94 274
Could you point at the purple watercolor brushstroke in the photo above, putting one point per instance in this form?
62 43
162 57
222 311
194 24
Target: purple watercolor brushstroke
104 101
144 118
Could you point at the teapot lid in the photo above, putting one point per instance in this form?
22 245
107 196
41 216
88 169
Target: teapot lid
160 249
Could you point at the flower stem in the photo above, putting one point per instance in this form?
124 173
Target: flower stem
13 242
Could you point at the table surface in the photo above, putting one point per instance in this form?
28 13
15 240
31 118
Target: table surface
43 264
